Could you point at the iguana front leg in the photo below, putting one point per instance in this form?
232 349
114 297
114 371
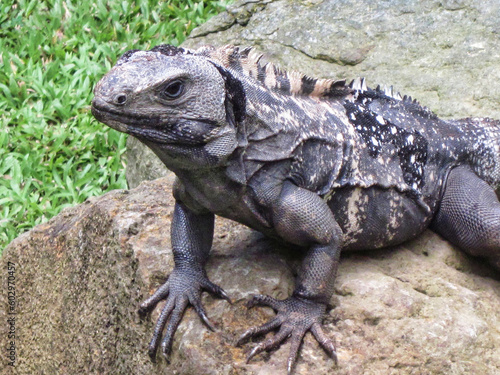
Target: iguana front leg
191 236
303 218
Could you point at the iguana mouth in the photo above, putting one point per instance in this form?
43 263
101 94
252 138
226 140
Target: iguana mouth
119 120
152 128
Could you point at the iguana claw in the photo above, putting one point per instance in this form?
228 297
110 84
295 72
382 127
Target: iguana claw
183 287
295 317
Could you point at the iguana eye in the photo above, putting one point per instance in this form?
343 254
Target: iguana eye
120 99
173 90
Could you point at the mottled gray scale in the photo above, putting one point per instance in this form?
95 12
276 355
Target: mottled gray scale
325 155
474 141
482 139
375 217
410 146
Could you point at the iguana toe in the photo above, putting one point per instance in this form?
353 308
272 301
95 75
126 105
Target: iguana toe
296 316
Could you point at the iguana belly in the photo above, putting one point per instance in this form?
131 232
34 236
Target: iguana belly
373 218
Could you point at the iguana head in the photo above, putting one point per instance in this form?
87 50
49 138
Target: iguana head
174 101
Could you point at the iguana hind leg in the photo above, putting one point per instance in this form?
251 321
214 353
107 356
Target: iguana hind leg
469 215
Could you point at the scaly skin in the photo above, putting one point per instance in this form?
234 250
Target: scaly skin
320 164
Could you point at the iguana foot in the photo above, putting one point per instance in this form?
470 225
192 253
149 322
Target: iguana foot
295 317
183 287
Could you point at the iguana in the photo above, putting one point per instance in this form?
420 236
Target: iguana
318 163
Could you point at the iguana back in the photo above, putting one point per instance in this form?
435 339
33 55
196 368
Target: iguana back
357 136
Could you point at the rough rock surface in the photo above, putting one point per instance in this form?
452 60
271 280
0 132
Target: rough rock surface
445 53
421 308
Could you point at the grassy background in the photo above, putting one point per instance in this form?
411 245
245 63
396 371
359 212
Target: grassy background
53 154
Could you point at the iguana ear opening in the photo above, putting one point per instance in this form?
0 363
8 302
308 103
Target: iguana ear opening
235 101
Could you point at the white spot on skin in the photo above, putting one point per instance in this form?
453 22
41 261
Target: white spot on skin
381 120
353 213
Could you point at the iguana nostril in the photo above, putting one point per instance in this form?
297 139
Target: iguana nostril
120 99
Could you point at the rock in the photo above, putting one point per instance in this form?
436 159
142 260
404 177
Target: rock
421 308
444 53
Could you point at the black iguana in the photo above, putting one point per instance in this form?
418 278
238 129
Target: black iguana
318 163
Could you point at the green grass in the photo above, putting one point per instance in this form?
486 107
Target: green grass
53 154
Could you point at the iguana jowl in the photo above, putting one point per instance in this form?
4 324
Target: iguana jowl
315 162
